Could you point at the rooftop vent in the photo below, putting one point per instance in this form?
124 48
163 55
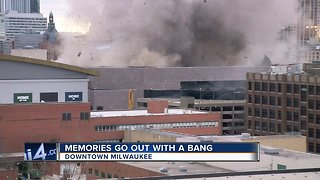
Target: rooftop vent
183 169
271 151
245 135
163 169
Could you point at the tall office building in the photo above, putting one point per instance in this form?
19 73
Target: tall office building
308 31
285 102
34 6
18 23
21 6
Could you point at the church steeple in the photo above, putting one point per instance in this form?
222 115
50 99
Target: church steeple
51 17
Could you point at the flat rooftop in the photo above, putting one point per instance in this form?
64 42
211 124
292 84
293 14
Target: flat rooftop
142 113
291 159
284 176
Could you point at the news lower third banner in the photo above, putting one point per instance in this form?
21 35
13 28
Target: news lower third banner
208 151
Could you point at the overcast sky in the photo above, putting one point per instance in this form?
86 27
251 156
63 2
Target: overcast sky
62 17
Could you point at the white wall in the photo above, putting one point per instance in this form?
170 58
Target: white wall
9 87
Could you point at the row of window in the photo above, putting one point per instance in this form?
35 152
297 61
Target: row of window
265 113
224 108
291 116
314 133
158 125
264 126
234 116
313 148
236 124
271 127
290 88
66 116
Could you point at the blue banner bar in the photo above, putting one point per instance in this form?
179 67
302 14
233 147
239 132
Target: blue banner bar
40 151
211 147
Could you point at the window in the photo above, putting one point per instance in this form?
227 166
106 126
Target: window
227 116
257 86
296 128
272 114
257 99
318 133
216 108
289 102
84 115
264 126
289 116
272 87
279 128
257 112
289 128
279 87
272 100
318 148
249 99
317 104
249 124
257 125
238 116
279 114
311 90
272 127
318 119
250 85
296 89
311 133
227 108
311 104
264 113
296 116
311 147
303 93
310 118
303 125
303 111
264 86
49 97
289 88
265 100
279 101
296 102
66 116
249 111
318 90
238 108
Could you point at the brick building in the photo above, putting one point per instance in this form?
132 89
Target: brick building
71 122
285 103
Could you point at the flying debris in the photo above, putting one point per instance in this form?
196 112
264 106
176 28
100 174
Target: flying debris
79 54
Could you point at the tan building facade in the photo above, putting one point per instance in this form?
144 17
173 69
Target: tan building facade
285 103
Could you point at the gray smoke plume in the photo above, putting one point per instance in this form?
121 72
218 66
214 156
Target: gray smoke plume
180 32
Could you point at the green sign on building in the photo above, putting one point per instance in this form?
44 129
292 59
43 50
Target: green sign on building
22 97
281 167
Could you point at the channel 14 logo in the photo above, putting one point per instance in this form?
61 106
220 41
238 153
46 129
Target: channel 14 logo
40 151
